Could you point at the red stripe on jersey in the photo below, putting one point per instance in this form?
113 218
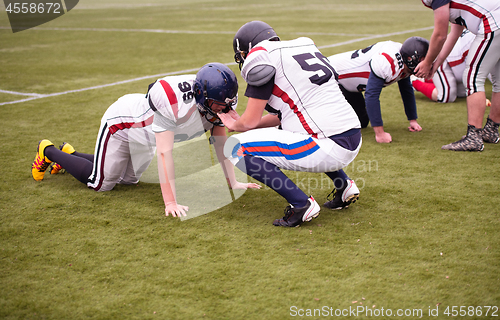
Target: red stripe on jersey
459 6
391 61
127 125
286 99
459 61
256 49
171 97
355 75
187 116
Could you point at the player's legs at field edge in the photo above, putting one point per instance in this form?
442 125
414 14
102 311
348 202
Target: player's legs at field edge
67 148
302 208
427 88
344 192
270 175
88 156
41 162
483 58
490 131
79 167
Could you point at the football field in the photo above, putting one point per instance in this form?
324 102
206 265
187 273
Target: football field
422 242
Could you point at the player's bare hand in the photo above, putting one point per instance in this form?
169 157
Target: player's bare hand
176 210
228 120
414 126
383 137
423 70
240 185
234 114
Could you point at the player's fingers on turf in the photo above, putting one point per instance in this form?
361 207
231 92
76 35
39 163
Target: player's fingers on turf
175 213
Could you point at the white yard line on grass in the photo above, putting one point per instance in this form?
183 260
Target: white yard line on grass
374 37
129 30
34 96
187 31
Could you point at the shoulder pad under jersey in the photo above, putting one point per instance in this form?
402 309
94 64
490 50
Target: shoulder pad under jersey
260 75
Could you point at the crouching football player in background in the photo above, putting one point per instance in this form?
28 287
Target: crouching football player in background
373 68
319 132
176 108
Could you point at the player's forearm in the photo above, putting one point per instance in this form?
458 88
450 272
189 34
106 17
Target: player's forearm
166 176
167 193
408 97
439 34
226 165
219 139
436 44
372 99
228 169
451 40
269 120
245 123
251 118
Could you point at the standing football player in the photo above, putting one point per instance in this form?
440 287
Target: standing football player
482 18
176 108
319 132
373 68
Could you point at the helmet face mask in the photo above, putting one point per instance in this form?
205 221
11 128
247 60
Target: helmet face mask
413 51
250 34
412 62
215 83
239 56
207 106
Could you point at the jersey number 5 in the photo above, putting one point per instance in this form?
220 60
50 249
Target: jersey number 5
320 63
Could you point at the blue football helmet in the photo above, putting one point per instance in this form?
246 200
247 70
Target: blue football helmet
413 51
215 82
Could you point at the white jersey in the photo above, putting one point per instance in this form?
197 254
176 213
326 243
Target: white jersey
305 91
382 58
478 16
129 119
133 119
457 56
173 101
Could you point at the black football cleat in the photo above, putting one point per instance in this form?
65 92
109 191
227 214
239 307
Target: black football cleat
295 216
343 197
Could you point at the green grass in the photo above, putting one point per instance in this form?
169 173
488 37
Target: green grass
424 233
